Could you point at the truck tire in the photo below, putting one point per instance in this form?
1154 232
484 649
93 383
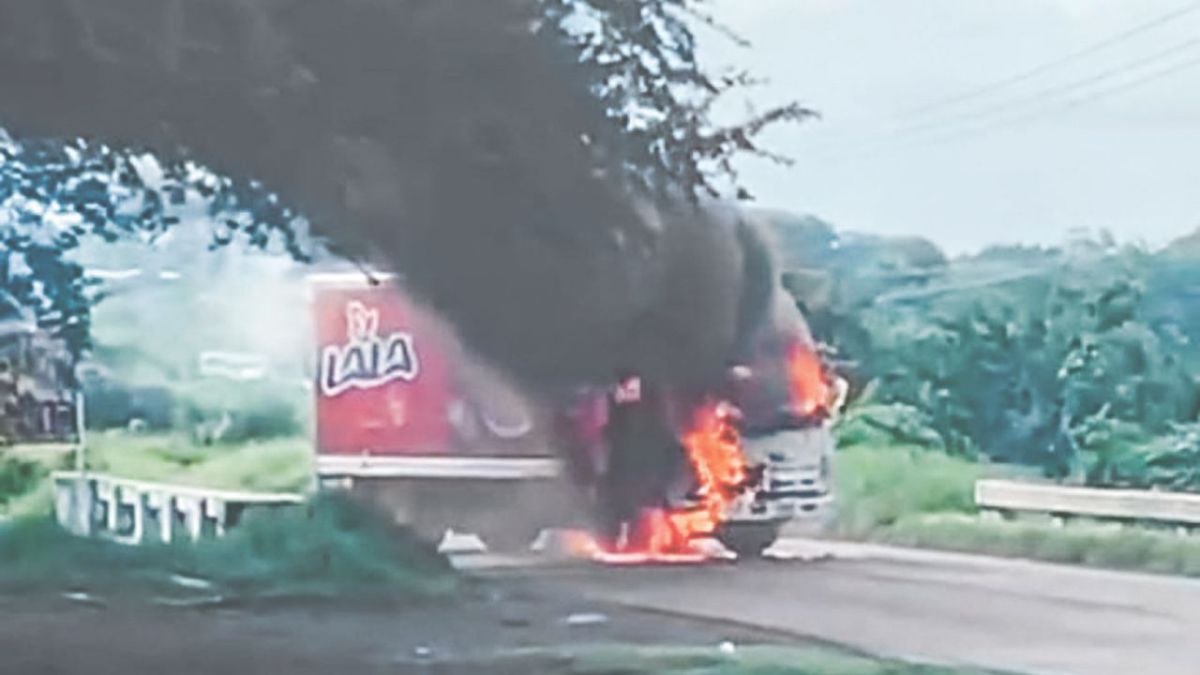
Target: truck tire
749 540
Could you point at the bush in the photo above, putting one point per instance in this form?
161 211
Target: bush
110 403
107 404
223 411
328 548
282 464
1101 545
879 486
19 477
212 410
332 546
1009 352
887 424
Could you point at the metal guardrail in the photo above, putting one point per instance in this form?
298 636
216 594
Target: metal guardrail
1063 501
132 511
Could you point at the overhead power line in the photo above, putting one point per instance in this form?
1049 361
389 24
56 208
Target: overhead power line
1108 92
1148 79
1052 98
1048 66
1052 92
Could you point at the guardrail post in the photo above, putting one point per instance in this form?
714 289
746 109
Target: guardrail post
73 505
157 508
132 511
188 510
103 520
214 510
996 515
127 514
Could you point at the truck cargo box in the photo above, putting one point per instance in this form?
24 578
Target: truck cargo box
411 419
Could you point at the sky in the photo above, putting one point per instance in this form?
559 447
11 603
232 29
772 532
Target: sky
1109 140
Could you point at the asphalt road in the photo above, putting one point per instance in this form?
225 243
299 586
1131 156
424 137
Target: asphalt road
945 608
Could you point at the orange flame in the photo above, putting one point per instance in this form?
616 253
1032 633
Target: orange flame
718 464
714 452
806 378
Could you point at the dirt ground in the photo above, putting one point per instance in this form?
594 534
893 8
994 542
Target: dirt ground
109 636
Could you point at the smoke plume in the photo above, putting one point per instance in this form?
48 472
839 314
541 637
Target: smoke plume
442 138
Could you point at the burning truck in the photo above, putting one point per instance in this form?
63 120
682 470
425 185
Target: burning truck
411 419
736 464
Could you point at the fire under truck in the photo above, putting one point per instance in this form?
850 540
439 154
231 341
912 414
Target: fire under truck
411 420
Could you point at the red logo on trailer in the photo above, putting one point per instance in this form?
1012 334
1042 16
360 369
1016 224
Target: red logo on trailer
383 381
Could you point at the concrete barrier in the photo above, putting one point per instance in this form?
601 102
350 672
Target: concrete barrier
1007 496
131 511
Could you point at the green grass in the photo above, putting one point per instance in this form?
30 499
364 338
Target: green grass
912 496
25 480
276 465
273 465
282 464
329 548
1086 543
745 660
877 486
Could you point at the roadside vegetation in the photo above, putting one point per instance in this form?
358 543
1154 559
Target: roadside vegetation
329 548
1078 362
1074 364
158 412
326 549
272 465
881 486
908 495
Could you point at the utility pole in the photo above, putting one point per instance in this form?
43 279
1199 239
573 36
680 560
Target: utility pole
80 425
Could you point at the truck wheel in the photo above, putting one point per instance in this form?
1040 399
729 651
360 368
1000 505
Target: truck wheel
749 540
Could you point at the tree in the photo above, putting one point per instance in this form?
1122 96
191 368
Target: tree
51 196
640 59
462 142
55 195
1064 358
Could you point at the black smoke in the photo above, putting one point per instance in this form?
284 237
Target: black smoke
444 139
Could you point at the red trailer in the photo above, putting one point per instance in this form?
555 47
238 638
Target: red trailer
409 418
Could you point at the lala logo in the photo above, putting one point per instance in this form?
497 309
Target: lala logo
366 360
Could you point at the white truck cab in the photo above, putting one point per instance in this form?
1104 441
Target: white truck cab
793 470
794 486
